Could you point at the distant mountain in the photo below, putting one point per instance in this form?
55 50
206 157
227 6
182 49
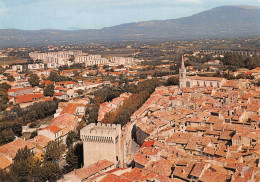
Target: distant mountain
224 21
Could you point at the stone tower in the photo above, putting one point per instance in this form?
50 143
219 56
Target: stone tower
101 141
182 74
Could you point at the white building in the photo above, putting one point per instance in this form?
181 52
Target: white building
122 61
60 58
90 60
35 66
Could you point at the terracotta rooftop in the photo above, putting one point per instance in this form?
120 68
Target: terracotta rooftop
84 173
28 98
114 178
10 149
5 162
53 128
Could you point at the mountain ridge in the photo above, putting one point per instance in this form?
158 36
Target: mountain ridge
223 21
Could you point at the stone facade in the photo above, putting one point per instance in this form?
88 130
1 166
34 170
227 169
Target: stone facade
101 141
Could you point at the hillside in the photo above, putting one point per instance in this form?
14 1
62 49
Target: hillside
225 21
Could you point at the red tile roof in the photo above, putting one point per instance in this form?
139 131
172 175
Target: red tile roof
17 89
148 144
28 98
10 149
114 178
52 128
85 173
5 162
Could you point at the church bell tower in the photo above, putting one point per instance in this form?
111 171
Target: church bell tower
182 74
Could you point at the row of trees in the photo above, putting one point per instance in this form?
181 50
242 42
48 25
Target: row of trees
140 94
27 167
55 77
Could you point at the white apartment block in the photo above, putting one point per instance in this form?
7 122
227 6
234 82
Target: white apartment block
122 61
35 66
90 60
60 58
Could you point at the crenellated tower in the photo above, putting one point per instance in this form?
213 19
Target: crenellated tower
101 141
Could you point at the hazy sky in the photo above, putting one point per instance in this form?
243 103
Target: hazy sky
86 14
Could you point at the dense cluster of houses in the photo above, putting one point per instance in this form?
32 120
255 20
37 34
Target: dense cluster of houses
190 134
200 134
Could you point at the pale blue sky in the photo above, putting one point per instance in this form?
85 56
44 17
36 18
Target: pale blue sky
89 14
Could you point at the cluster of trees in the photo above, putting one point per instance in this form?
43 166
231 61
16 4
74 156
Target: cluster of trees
173 81
141 93
163 73
10 78
240 61
229 76
4 95
11 121
27 167
6 135
73 66
34 80
49 90
38 110
55 77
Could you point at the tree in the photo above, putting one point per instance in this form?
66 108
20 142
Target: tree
34 80
105 66
53 151
71 159
49 90
93 114
49 171
76 73
6 136
72 137
80 91
28 168
74 157
4 175
10 78
54 77
24 162
5 86
173 80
